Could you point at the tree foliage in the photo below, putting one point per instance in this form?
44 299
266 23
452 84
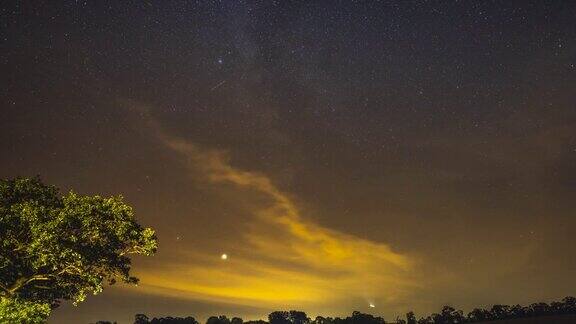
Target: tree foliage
410 318
236 320
17 311
55 248
448 315
143 319
288 317
218 320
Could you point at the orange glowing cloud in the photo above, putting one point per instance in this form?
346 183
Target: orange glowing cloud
280 259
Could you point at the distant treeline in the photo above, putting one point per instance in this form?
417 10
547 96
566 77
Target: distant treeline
448 315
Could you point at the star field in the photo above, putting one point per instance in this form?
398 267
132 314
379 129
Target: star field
403 154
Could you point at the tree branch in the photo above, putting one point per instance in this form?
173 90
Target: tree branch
5 290
21 282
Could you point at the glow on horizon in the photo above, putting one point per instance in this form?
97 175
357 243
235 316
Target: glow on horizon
281 259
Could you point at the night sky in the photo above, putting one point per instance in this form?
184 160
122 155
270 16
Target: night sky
405 154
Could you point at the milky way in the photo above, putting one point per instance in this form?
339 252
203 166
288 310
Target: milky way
379 156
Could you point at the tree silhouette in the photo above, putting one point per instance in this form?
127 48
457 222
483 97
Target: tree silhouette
517 311
478 315
538 309
448 315
361 318
569 305
290 317
500 311
236 320
218 320
410 318
426 320
141 319
279 317
256 322
297 317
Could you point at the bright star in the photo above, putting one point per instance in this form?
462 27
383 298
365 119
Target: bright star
224 256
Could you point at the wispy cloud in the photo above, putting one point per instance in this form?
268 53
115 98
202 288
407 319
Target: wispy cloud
280 258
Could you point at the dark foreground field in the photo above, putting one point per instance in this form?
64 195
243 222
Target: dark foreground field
560 319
